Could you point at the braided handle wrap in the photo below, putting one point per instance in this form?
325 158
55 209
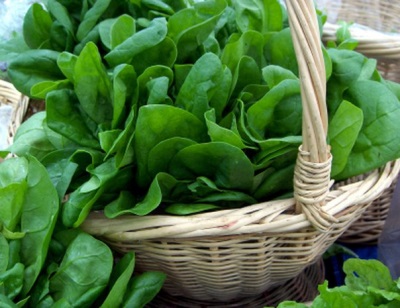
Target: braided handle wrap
313 166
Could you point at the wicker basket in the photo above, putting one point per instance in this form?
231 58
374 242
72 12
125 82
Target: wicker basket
19 103
302 289
237 253
377 29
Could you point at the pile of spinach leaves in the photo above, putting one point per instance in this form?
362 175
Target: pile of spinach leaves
43 264
368 283
185 106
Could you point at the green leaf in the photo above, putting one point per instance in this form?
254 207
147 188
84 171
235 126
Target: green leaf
61 14
262 16
66 62
83 273
249 44
32 67
124 87
4 254
123 28
210 160
274 75
166 149
41 89
364 274
31 138
65 118
38 219
143 289
91 17
280 51
93 86
188 209
119 280
12 280
162 184
190 27
343 132
156 123
138 42
36 27
218 133
377 142
200 85
278 113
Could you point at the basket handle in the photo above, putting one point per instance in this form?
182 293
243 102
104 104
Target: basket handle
313 165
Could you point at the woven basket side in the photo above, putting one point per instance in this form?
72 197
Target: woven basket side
302 288
381 15
19 103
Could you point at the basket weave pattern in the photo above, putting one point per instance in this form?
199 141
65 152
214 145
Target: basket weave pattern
302 288
237 253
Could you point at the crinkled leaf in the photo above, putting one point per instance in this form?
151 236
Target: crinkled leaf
162 153
162 185
156 123
223 163
190 27
363 274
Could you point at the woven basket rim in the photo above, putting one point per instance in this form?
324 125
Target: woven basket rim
267 217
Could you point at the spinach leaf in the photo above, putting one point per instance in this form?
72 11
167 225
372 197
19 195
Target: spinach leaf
262 16
200 85
38 219
143 288
83 273
36 27
343 133
119 280
138 42
32 67
190 27
64 117
211 160
375 144
156 123
91 17
93 86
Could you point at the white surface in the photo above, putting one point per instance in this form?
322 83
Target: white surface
12 13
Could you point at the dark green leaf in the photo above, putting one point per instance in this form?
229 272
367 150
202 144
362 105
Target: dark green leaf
36 27
143 289
84 271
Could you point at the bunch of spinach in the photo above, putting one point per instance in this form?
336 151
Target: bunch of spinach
185 106
368 283
42 264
